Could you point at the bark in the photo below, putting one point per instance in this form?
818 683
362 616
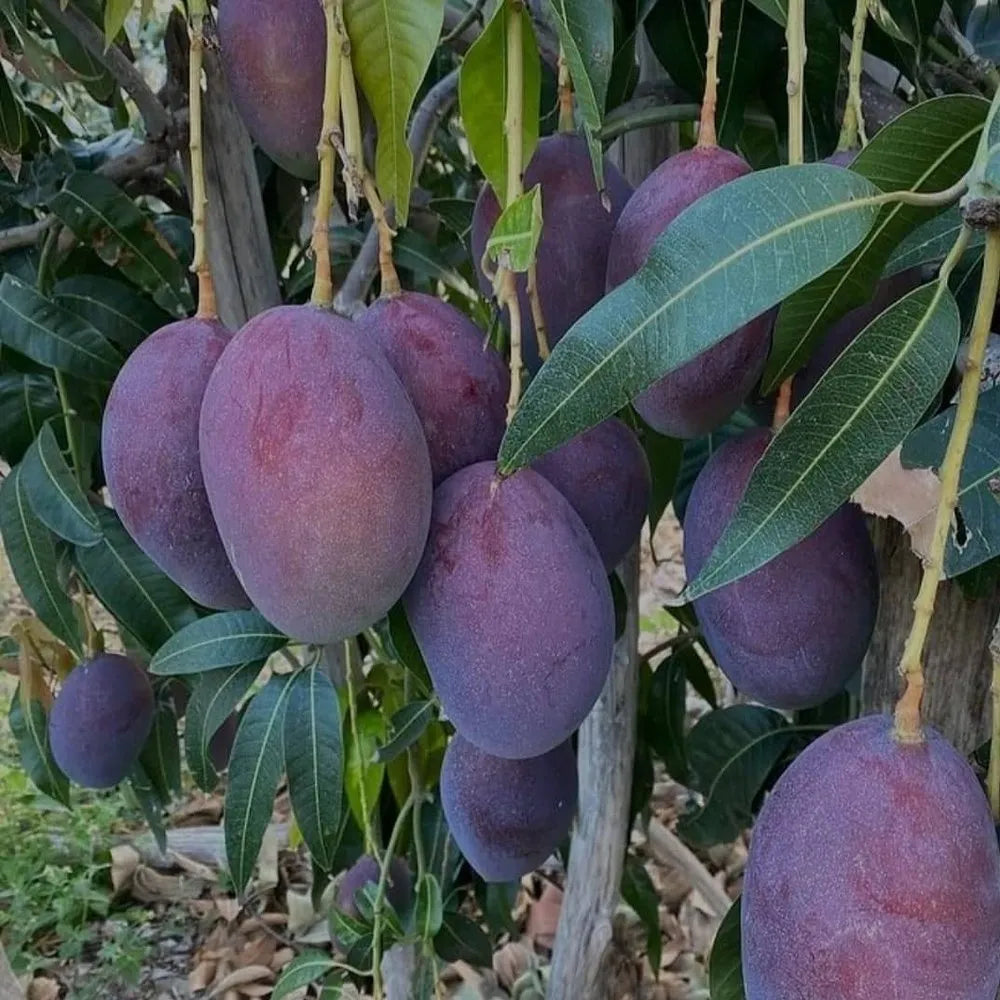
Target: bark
956 658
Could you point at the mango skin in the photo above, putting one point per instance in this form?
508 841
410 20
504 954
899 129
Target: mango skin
317 472
604 473
791 633
274 54
702 394
399 886
873 872
512 611
457 383
573 251
100 720
507 816
149 446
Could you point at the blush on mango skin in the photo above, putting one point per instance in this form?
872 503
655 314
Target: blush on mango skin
873 872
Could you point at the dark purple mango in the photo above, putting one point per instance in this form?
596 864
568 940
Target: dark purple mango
604 474
457 383
100 720
365 871
702 394
791 633
573 252
873 872
507 816
317 472
274 54
512 611
149 445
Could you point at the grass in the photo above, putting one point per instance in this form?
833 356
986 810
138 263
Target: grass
56 902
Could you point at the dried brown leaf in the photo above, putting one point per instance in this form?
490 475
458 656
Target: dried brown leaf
124 863
201 976
43 988
240 977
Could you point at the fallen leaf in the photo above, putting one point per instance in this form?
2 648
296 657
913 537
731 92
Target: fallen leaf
124 863
42 988
201 976
229 908
512 961
239 977
150 886
281 958
543 917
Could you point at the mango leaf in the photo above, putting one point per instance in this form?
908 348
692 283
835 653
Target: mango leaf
665 455
930 243
391 48
976 538
403 646
128 583
53 336
26 402
732 752
314 761
639 892
908 21
822 79
161 756
443 857
513 243
220 640
363 776
150 803
13 126
482 92
31 733
115 14
406 727
305 969
214 697
777 10
940 138
462 940
122 314
728 258
55 494
255 769
416 253
428 914
665 719
31 551
101 215
869 399
725 965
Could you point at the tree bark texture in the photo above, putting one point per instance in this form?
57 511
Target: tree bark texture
957 662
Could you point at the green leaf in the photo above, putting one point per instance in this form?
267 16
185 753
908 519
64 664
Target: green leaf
214 697
638 891
391 47
413 251
668 712
149 801
122 314
31 732
403 646
115 14
362 771
31 551
976 539
462 940
482 91
161 756
428 914
777 10
939 137
314 761
53 336
26 402
665 456
406 727
13 126
725 964
869 399
732 751
513 243
220 640
728 258
443 856
55 494
255 770
101 215
128 583
307 968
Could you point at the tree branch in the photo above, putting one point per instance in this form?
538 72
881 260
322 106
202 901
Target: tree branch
154 114
428 116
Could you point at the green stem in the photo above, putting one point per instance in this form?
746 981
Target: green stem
352 718
416 788
854 122
383 881
796 36
993 777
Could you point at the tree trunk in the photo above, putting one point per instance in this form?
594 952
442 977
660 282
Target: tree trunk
956 657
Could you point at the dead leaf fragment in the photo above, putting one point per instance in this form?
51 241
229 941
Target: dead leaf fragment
240 977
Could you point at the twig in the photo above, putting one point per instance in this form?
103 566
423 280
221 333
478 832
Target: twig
670 850
706 133
796 36
854 121
432 110
154 114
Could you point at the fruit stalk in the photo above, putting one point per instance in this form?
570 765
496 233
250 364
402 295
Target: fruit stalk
350 650
566 120
706 132
796 36
322 292
908 727
853 126
199 198
537 315
514 130
993 777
